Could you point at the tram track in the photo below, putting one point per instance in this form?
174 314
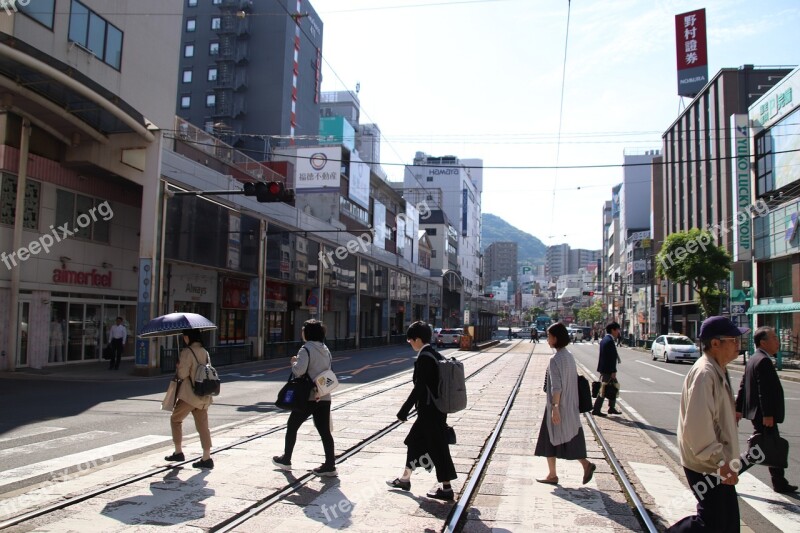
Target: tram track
152 473
455 520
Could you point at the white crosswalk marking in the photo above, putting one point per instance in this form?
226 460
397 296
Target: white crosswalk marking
783 512
84 460
674 501
54 443
26 432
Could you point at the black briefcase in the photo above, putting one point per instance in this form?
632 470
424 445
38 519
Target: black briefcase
595 388
108 352
772 447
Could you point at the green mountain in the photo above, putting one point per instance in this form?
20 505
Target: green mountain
529 248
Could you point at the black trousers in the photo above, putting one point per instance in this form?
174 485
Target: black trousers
777 474
321 411
717 505
116 353
598 403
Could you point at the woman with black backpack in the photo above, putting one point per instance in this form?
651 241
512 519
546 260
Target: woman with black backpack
428 440
313 359
189 402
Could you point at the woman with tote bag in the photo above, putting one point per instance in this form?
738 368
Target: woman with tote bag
314 358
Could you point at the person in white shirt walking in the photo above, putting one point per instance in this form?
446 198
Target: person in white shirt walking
117 336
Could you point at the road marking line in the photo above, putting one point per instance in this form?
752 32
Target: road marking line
672 499
88 459
662 369
26 432
27 449
669 393
647 379
782 512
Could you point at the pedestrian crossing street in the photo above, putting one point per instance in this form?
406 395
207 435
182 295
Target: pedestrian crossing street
672 499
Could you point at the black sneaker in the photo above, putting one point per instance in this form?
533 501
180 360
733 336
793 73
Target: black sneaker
613 411
207 464
599 413
175 457
441 494
325 470
281 462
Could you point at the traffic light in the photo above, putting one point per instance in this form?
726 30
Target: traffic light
588 293
272 191
488 295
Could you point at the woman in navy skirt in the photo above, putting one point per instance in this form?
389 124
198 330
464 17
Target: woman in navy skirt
561 433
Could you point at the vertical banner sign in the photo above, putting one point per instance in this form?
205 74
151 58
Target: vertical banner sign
690 42
142 356
741 187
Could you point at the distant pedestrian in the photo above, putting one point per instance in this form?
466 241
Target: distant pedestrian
427 441
533 334
607 366
760 397
707 436
117 336
509 333
561 434
189 402
314 358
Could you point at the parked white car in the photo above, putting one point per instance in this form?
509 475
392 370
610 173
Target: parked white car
674 348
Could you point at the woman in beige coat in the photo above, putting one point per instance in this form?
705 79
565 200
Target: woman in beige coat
188 402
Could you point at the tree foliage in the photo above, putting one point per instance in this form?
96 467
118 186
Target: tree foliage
593 313
691 257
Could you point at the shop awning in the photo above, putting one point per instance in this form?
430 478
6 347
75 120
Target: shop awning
793 307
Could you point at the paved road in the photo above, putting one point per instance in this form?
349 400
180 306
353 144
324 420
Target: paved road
652 389
44 420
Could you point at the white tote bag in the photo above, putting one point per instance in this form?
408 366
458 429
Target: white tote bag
326 382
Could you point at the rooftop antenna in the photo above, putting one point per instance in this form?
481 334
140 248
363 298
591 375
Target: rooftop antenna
358 86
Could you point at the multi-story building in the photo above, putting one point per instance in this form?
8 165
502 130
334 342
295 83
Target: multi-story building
698 172
81 139
775 288
500 262
250 72
557 260
461 185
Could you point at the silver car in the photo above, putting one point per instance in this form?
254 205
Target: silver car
674 348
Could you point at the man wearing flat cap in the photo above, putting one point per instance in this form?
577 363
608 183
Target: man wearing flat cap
707 435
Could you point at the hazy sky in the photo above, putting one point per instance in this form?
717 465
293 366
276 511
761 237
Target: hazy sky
483 79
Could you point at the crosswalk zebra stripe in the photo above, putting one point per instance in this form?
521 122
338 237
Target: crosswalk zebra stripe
51 444
783 512
86 459
26 432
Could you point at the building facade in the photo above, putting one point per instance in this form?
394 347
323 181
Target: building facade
775 132
698 170
500 263
250 72
80 153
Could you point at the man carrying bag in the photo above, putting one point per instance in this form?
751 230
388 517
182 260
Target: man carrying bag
607 366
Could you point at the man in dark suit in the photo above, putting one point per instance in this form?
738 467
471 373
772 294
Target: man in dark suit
760 397
607 366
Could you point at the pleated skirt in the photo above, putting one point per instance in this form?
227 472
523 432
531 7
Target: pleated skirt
574 449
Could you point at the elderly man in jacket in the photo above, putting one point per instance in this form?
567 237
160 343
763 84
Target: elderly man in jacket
760 397
707 437
607 366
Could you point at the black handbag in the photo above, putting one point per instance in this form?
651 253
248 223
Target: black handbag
595 388
108 352
451 435
294 395
584 395
770 446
